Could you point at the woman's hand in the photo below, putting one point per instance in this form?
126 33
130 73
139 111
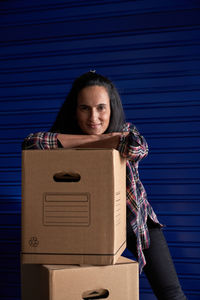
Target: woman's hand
75 140
107 140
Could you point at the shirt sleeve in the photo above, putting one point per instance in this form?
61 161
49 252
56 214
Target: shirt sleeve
41 140
133 146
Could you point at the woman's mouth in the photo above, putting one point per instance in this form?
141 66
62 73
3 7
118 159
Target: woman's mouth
94 125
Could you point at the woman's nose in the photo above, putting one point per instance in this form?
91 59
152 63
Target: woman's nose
93 115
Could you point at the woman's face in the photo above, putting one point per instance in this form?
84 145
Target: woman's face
93 110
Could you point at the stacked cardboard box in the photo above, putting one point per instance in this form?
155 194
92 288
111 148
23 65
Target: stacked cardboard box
73 282
74 212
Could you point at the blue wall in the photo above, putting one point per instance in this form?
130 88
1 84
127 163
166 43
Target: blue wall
151 50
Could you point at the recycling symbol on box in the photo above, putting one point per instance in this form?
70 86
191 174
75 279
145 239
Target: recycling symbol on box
33 242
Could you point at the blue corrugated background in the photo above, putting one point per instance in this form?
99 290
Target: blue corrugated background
151 50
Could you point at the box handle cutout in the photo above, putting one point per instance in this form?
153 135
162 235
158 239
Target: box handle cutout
95 294
66 177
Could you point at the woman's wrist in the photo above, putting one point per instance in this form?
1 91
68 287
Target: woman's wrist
72 140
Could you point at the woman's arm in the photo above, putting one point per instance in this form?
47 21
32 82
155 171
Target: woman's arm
130 143
110 140
40 140
49 140
133 146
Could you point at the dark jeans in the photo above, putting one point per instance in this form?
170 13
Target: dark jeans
159 267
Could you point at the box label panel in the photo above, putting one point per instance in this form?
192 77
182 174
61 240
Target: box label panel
66 209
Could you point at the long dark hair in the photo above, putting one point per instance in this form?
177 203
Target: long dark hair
66 119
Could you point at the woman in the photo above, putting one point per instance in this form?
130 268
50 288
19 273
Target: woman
92 116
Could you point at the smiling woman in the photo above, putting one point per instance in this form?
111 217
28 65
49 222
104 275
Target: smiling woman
92 116
93 110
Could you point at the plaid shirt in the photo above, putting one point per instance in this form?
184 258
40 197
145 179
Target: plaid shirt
133 147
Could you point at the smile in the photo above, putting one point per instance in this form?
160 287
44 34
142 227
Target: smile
94 125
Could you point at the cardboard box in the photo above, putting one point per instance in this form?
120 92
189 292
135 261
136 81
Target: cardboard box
73 206
73 282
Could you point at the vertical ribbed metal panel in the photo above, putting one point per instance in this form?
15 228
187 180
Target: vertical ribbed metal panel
150 49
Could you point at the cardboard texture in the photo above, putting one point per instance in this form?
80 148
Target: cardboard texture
73 282
73 206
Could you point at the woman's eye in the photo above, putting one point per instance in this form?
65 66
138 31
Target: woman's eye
85 108
101 107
